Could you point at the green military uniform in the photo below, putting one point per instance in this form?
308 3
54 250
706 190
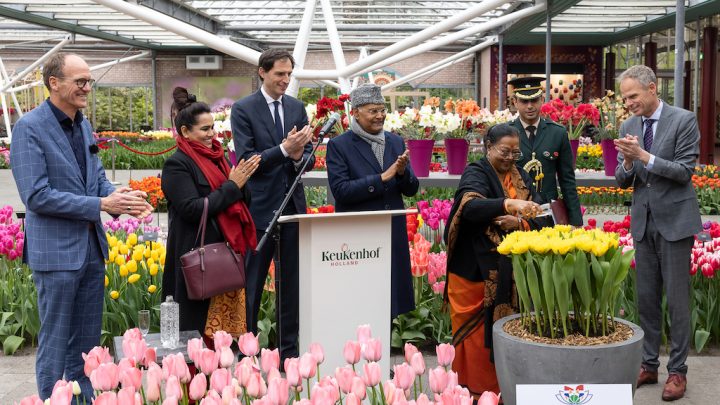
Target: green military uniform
552 149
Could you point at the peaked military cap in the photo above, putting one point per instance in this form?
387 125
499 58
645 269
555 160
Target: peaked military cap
527 88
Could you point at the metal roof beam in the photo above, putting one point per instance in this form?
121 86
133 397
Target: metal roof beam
186 13
340 27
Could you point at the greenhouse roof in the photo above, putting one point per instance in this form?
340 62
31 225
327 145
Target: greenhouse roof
375 24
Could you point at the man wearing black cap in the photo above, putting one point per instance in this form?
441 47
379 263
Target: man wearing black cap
547 142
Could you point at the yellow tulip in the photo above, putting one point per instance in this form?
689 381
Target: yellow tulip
519 247
162 258
107 281
132 239
114 294
152 288
150 261
112 241
540 246
120 260
504 248
154 255
112 255
123 248
153 269
599 249
137 255
132 266
147 253
134 278
123 271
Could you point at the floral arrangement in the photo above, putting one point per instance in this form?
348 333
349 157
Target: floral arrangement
320 112
589 157
573 118
612 114
323 209
607 199
559 268
466 111
256 378
12 237
152 186
159 134
435 215
426 123
706 182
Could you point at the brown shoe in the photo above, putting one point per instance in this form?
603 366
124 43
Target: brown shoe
646 377
674 387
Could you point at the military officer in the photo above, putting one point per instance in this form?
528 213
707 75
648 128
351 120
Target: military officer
547 142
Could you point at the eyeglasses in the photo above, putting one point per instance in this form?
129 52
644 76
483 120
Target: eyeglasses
507 154
81 83
376 111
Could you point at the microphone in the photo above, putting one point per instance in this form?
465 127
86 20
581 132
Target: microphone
334 118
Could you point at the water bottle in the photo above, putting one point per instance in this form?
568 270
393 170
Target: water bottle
169 323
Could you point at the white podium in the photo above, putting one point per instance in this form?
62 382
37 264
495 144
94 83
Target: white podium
345 275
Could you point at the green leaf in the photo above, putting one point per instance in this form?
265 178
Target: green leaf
701 338
412 334
11 344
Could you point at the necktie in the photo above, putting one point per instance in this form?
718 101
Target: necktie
648 136
279 132
531 129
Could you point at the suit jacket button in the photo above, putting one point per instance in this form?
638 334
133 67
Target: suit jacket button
371 189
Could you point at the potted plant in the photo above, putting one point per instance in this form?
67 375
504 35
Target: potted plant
460 120
575 119
612 114
418 128
567 283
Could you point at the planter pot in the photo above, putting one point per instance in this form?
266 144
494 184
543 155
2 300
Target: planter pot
609 154
574 144
231 156
420 156
521 362
457 153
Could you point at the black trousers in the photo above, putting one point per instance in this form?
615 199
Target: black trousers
289 295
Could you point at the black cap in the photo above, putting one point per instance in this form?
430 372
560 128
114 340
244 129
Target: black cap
527 88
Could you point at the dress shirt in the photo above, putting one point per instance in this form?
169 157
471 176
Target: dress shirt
73 132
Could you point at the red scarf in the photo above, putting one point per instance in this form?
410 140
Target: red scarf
235 222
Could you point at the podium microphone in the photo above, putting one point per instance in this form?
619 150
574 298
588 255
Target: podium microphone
329 124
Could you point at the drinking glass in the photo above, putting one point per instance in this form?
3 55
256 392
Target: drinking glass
144 321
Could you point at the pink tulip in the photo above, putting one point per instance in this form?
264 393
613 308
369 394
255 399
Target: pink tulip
422 399
106 398
198 387
292 372
220 379
128 396
242 373
488 398
222 339
172 388
133 334
317 352
390 390
106 377
174 364
439 287
193 349
344 377
352 351
228 394
352 399
95 357
452 379
227 358
273 374
410 349
445 354
212 398
303 401
31 400
308 366
418 364
373 350
438 379
131 378
256 386
208 361
269 359
364 333
171 400
404 376
134 348
372 374
248 344
150 356
278 391
358 387
321 396
154 379
62 393
330 385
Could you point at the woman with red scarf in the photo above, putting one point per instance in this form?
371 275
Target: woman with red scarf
199 169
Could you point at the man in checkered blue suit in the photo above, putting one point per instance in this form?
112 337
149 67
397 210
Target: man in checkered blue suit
62 183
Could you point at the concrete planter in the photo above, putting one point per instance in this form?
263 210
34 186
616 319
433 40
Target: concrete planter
521 362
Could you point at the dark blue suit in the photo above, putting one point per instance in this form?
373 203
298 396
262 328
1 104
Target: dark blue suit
65 243
253 130
354 177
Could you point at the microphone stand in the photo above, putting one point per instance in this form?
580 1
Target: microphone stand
273 229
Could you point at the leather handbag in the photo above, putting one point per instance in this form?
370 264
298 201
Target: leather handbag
559 212
212 269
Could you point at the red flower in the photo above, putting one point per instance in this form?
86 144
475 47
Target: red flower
592 222
344 97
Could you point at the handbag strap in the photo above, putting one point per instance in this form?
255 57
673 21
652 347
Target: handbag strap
203 224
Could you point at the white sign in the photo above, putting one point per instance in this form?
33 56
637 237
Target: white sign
574 394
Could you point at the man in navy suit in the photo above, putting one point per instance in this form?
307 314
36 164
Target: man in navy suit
275 126
62 183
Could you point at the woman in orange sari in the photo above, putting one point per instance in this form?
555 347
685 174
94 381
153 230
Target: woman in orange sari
493 198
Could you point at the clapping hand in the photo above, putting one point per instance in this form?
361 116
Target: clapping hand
243 170
402 162
296 140
125 200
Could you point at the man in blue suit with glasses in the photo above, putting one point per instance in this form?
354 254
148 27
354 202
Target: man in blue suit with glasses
62 183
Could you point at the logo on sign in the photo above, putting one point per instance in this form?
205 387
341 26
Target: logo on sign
574 395
349 257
